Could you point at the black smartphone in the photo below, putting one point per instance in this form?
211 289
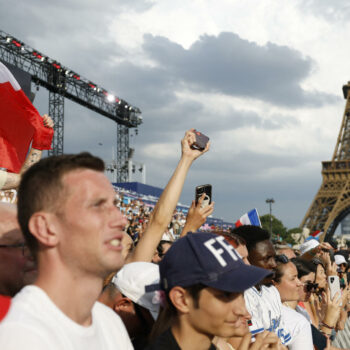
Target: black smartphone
208 192
201 141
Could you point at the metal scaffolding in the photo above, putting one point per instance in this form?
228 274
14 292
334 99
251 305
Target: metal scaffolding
62 83
332 201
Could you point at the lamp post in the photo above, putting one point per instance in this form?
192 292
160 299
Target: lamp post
269 201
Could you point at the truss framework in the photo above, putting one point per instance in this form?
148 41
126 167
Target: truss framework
62 83
332 201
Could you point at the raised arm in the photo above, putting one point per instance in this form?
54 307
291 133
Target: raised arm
166 205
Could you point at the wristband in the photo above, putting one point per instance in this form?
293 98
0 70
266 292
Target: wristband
326 325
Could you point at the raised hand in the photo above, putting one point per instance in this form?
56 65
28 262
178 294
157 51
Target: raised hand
197 215
47 120
186 143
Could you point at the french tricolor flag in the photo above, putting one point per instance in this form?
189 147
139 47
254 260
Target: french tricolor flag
316 234
20 124
250 218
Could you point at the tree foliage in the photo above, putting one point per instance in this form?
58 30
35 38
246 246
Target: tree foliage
279 231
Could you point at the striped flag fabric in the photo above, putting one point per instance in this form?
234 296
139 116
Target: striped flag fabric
316 235
250 218
20 124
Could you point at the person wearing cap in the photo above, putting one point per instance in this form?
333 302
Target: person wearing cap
127 296
341 262
203 279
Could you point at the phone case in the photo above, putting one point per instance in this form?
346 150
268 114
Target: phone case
203 189
201 141
334 285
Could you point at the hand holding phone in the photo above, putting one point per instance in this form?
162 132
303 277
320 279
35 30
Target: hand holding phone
201 141
334 286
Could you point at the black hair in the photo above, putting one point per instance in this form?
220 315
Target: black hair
304 267
168 313
232 238
160 248
252 235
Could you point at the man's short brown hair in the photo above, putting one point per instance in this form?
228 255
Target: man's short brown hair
41 187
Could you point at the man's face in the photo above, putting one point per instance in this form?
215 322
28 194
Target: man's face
219 313
89 226
16 269
263 255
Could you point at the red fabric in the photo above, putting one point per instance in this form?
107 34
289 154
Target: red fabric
20 122
238 223
301 304
5 303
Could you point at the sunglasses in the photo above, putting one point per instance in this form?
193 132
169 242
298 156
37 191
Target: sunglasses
282 259
311 287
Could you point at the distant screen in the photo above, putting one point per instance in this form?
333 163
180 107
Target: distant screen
24 79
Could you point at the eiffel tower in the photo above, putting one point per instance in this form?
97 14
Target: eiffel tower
332 201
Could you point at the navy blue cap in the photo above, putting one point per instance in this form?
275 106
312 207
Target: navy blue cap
208 259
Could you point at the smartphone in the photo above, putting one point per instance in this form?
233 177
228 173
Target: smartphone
334 286
201 141
203 189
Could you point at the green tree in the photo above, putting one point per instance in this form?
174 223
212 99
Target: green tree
278 229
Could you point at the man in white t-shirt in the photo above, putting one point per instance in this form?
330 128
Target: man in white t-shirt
67 213
263 301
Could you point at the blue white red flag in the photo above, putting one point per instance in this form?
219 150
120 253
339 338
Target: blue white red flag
20 124
250 218
315 235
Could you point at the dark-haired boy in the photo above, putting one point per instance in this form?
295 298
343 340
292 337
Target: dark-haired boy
203 279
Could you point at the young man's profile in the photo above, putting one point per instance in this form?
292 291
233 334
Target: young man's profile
203 279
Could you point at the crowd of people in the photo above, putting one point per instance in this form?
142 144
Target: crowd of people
84 267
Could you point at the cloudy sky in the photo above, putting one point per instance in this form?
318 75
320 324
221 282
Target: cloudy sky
262 79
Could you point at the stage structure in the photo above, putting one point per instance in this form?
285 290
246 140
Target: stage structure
63 83
332 201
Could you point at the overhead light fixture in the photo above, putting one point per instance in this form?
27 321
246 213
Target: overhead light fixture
110 98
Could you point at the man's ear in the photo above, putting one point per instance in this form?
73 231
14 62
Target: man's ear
180 299
123 305
41 226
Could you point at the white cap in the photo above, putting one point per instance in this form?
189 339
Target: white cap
339 259
131 281
308 245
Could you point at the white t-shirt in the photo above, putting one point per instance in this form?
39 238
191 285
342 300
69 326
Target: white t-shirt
34 322
265 308
300 329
